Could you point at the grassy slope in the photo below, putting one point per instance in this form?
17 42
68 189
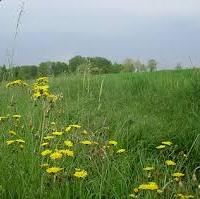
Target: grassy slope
138 110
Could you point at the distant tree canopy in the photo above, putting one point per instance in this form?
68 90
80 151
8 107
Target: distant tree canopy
152 65
77 64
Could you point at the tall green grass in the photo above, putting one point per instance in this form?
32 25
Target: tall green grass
138 110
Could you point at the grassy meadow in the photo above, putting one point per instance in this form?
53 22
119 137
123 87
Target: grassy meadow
102 137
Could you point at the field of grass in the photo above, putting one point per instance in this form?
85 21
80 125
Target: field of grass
135 112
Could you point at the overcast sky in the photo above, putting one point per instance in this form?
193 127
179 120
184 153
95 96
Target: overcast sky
167 30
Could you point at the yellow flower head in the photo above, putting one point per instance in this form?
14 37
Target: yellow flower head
20 141
161 147
168 143
149 186
9 142
80 173
16 116
75 126
86 142
12 133
68 143
67 152
44 144
46 152
54 170
112 142
57 133
41 80
121 151
68 128
49 137
84 132
182 196
3 118
170 163
178 175
56 155
16 83
148 168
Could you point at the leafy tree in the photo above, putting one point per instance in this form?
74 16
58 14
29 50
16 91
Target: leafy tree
128 65
83 68
178 66
152 65
104 65
116 68
44 68
58 68
75 62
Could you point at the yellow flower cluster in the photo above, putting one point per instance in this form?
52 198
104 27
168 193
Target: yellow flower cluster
152 173
182 196
164 144
40 89
80 173
21 142
16 83
59 144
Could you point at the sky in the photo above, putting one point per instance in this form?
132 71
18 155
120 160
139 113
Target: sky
56 30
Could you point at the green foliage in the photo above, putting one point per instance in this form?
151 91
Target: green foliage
103 65
139 110
152 65
75 62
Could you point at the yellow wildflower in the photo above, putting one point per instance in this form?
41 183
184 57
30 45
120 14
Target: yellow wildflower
41 80
2 118
181 196
149 186
49 137
178 174
44 144
67 152
86 142
168 143
57 133
68 128
75 126
46 152
12 133
170 163
80 173
16 116
9 142
84 132
18 82
54 170
148 168
56 155
121 151
161 147
68 143
36 95
112 142
20 141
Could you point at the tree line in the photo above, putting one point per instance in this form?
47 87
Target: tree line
77 64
